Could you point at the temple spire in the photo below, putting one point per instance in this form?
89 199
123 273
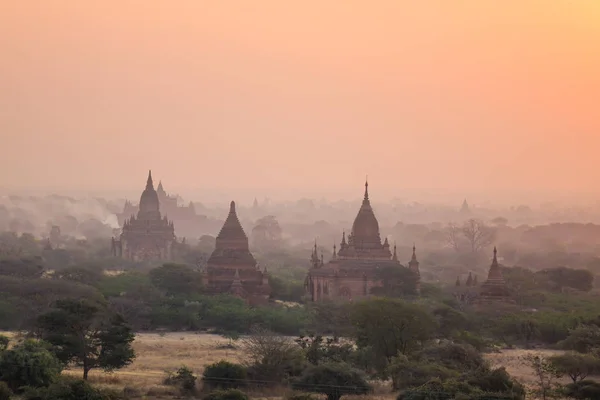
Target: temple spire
495 260
469 280
366 189
457 281
149 183
414 254
395 256
334 256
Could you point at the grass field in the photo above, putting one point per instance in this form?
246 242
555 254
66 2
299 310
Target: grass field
160 354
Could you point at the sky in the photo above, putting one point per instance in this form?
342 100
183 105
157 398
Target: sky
288 99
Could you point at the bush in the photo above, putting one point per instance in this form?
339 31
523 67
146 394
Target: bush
408 373
453 356
271 357
67 388
334 380
583 390
4 341
184 379
5 392
29 364
230 394
301 396
224 375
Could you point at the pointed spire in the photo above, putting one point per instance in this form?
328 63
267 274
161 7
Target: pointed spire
395 255
322 260
343 239
160 187
334 256
414 254
149 184
495 260
457 281
470 280
232 235
366 189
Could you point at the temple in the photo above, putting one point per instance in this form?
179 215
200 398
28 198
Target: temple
184 217
147 236
232 269
352 271
494 288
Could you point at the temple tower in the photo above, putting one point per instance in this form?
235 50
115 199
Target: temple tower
231 267
494 288
147 236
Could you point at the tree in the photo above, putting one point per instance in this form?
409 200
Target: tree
318 349
390 326
474 233
29 364
271 357
176 279
334 380
577 366
583 339
545 374
23 268
396 282
267 233
232 336
87 335
478 234
563 277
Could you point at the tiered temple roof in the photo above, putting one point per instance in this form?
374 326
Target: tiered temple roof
147 236
352 270
232 268
495 285
364 242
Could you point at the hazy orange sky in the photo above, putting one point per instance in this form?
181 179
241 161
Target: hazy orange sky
301 98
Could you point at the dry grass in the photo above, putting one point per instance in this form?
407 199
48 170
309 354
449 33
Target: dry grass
161 353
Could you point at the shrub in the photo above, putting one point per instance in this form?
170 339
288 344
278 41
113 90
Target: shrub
230 394
224 375
67 388
334 380
301 396
5 392
184 378
583 390
29 364
409 373
271 357
4 341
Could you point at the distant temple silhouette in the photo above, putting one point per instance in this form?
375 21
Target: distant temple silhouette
231 267
148 236
351 272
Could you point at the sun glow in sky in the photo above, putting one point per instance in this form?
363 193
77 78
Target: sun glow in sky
290 99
